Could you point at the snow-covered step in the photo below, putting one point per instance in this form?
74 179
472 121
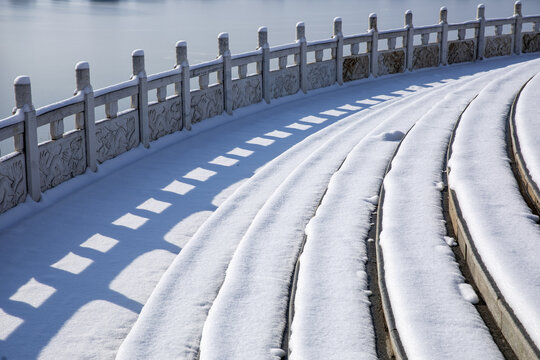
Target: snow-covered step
171 322
524 135
426 289
495 227
248 317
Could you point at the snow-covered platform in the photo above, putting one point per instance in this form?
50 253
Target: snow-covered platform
266 235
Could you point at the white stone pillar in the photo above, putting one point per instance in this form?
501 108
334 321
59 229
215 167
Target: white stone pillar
301 59
443 35
23 102
516 28
264 69
338 53
183 89
87 119
410 39
142 98
226 77
373 46
480 31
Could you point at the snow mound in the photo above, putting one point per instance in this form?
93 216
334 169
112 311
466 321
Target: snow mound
391 136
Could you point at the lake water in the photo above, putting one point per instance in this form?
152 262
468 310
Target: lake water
46 38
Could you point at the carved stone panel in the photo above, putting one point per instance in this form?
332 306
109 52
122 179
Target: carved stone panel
461 51
206 103
321 74
355 67
498 46
62 159
116 136
165 117
12 181
425 56
391 62
531 42
285 82
246 91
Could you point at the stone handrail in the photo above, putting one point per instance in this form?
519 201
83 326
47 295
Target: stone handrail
36 167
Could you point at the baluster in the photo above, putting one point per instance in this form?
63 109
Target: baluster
409 44
498 30
442 36
226 73
57 129
264 68
242 71
161 93
516 27
203 81
184 89
87 119
425 39
373 45
391 42
337 54
141 103
480 31
301 59
355 48
111 109
461 34
319 55
23 102
282 62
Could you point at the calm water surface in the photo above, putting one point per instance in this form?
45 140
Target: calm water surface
46 38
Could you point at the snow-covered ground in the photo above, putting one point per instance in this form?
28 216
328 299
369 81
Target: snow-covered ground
77 271
505 232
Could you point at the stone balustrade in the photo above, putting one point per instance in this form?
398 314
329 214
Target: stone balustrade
33 167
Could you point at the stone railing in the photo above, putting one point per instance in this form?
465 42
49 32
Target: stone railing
36 167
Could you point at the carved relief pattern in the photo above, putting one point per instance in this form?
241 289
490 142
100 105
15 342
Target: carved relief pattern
321 74
206 103
498 46
461 51
12 182
116 136
425 56
246 91
61 159
355 67
391 62
285 82
531 42
165 117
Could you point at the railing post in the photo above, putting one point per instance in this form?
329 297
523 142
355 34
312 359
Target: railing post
265 63
516 28
410 38
87 119
443 35
480 31
142 98
225 53
183 90
338 54
301 59
23 102
374 47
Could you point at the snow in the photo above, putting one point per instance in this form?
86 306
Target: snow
103 274
22 80
528 127
82 65
490 199
247 318
137 52
424 283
